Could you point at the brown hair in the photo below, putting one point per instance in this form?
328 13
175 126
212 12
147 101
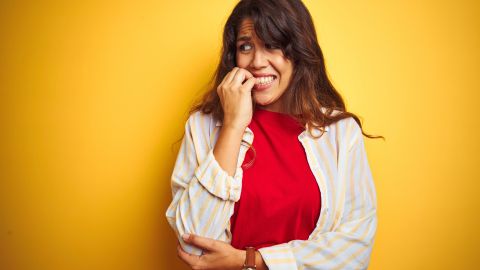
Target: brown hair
288 25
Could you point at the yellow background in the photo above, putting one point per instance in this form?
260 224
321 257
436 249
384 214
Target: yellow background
93 95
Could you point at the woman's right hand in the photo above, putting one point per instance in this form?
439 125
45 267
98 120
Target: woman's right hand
236 98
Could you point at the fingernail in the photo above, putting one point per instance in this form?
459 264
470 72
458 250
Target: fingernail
185 236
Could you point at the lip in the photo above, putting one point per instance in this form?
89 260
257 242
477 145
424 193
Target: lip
262 74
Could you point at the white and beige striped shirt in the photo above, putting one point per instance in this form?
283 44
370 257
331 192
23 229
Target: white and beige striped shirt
204 196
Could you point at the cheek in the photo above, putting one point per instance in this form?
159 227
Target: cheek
286 71
242 60
282 65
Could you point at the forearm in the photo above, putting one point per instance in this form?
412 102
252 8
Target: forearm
226 152
227 148
201 187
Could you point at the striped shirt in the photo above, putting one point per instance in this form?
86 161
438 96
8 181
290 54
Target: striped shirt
204 196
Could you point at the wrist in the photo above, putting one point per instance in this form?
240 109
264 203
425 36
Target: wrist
259 262
241 259
233 129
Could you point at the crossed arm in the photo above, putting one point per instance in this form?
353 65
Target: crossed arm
204 194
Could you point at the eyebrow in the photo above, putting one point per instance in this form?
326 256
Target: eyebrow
244 38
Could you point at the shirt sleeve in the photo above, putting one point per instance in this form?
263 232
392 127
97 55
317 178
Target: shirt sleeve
203 193
349 245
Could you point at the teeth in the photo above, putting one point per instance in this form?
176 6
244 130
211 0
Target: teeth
265 80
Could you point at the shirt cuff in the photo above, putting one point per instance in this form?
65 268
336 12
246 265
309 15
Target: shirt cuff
278 257
217 181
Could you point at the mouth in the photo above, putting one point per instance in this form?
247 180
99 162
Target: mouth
264 82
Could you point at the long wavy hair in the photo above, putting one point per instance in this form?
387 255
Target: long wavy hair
286 24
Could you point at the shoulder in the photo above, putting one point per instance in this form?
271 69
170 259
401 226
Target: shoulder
200 121
347 131
200 127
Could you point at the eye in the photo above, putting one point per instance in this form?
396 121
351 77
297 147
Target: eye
244 47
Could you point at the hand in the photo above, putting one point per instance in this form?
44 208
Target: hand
236 98
216 254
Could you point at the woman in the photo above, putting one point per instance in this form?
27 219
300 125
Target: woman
272 170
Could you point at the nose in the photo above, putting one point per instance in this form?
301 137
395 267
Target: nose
260 60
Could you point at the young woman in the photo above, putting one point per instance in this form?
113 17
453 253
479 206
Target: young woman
272 172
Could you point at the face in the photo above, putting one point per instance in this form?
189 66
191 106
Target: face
268 64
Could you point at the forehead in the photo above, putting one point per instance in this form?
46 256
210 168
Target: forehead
246 28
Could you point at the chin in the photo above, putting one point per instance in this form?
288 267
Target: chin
264 103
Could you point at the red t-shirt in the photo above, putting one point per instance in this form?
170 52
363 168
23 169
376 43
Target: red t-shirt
280 199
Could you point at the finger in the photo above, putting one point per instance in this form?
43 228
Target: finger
248 85
226 77
241 76
223 80
199 241
186 257
248 75
229 77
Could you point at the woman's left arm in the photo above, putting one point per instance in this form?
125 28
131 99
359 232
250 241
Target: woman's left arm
349 245
217 255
